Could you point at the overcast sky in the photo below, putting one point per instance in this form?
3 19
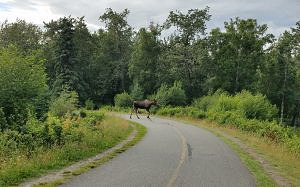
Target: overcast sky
279 15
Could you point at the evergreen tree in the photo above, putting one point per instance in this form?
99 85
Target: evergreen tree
143 64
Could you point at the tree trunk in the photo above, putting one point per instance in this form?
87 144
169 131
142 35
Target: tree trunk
283 94
295 116
237 78
237 74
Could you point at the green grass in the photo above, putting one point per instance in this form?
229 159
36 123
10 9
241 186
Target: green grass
141 131
19 168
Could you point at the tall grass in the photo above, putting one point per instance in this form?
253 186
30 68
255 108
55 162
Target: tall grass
246 111
81 138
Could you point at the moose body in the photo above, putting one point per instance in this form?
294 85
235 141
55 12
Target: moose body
145 104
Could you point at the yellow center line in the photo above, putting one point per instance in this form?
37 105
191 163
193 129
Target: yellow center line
182 158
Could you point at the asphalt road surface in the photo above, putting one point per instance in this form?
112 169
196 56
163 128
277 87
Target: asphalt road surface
171 154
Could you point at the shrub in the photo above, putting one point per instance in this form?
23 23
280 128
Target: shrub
67 102
3 121
176 95
245 104
162 95
137 92
255 106
23 81
203 103
94 116
246 111
89 104
123 100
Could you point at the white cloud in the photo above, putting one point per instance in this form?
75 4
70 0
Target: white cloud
37 14
278 14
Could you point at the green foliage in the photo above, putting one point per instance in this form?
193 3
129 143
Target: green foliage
185 53
3 121
179 111
93 117
237 54
64 75
89 104
55 143
248 112
22 84
143 63
189 25
25 36
174 95
255 106
123 100
137 92
67 102
244 103
162 95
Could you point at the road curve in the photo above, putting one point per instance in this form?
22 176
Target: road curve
172 154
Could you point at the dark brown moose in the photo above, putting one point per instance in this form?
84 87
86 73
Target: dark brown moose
145 104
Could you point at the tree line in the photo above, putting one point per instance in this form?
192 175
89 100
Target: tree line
38 65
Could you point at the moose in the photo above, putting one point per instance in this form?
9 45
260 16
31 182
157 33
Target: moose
145 104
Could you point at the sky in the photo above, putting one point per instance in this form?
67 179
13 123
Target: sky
279 15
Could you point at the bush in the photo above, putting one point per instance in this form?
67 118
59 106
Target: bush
174 96
244 104
123 100
3 121
137 92
94 116
67 102
255 106
162 95
246 111
23 83
89 104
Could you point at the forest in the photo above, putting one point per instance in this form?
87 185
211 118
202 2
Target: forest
40 64
238 74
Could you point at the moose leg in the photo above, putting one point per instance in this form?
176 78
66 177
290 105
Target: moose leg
136 111
148 113
131 112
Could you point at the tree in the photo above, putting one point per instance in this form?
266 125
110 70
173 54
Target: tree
137 92
237 54
65 77
279 76
174 95
119 34
180 57
189 26
22 84
296 55
83 48
144 59
108 73
25 36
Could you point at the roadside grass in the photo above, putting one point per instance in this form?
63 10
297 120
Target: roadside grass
20 168
286 162
141 131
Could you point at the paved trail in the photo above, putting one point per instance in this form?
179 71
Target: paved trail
172 154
